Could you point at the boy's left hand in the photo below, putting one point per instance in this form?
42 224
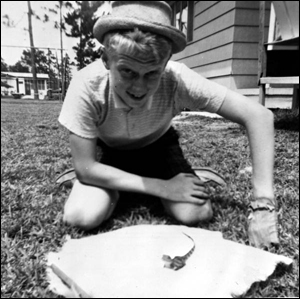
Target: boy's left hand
262 228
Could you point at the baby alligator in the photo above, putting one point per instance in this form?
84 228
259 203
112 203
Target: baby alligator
178 262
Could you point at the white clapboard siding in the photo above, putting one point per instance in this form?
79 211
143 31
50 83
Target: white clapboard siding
225 42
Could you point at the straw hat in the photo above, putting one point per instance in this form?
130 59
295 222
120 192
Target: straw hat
151 16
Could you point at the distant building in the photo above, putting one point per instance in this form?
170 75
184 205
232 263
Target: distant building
22 83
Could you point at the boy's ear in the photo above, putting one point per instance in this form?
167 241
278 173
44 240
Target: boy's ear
105 58
168 59
105 61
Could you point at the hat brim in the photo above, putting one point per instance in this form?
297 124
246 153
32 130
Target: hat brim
106 24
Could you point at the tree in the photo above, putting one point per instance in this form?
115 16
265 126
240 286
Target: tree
19 67
82 20
41 60
60 26
53 71
4 66
7 21
44 63
68 71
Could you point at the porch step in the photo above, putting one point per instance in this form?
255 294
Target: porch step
275 97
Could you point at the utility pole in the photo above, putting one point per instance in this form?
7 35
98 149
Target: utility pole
49 69
62 56
33 67
58 72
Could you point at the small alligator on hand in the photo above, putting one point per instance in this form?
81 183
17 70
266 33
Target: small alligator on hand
178 262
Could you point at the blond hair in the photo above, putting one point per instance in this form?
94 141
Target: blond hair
143 45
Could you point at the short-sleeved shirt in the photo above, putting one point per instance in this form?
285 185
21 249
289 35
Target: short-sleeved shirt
93 110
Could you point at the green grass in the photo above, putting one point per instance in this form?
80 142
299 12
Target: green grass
34 149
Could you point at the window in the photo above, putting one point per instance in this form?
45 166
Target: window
40 84
183 17
28 84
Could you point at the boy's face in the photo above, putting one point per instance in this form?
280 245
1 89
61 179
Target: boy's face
135 80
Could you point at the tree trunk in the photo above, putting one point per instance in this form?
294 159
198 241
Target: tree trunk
33 68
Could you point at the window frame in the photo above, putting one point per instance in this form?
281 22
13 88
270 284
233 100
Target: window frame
41 84
178 7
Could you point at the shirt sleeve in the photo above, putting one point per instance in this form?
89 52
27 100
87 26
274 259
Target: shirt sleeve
196 92
79 113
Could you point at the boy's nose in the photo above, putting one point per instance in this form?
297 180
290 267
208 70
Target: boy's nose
139 85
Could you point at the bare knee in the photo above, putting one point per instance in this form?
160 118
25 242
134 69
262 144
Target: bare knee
82 219
89 210
189 214
194 217
205 214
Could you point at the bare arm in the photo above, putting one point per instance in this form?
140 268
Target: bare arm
89 171
262 222
182 188
258 121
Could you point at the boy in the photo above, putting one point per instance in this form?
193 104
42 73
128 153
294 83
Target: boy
126 103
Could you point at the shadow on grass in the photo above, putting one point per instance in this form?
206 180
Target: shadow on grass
264 287
132 209
132 201
285 119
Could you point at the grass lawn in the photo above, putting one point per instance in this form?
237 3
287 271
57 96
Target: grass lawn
34 149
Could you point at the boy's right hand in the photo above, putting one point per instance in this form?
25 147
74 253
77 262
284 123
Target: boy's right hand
186 187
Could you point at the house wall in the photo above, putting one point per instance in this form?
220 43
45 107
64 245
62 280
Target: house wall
246 40
42 92
13 83
20 87
225 43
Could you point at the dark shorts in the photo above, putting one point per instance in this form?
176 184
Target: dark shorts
162 159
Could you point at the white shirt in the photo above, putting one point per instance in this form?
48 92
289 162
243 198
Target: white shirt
92 110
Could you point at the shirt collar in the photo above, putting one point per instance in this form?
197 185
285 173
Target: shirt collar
119 103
